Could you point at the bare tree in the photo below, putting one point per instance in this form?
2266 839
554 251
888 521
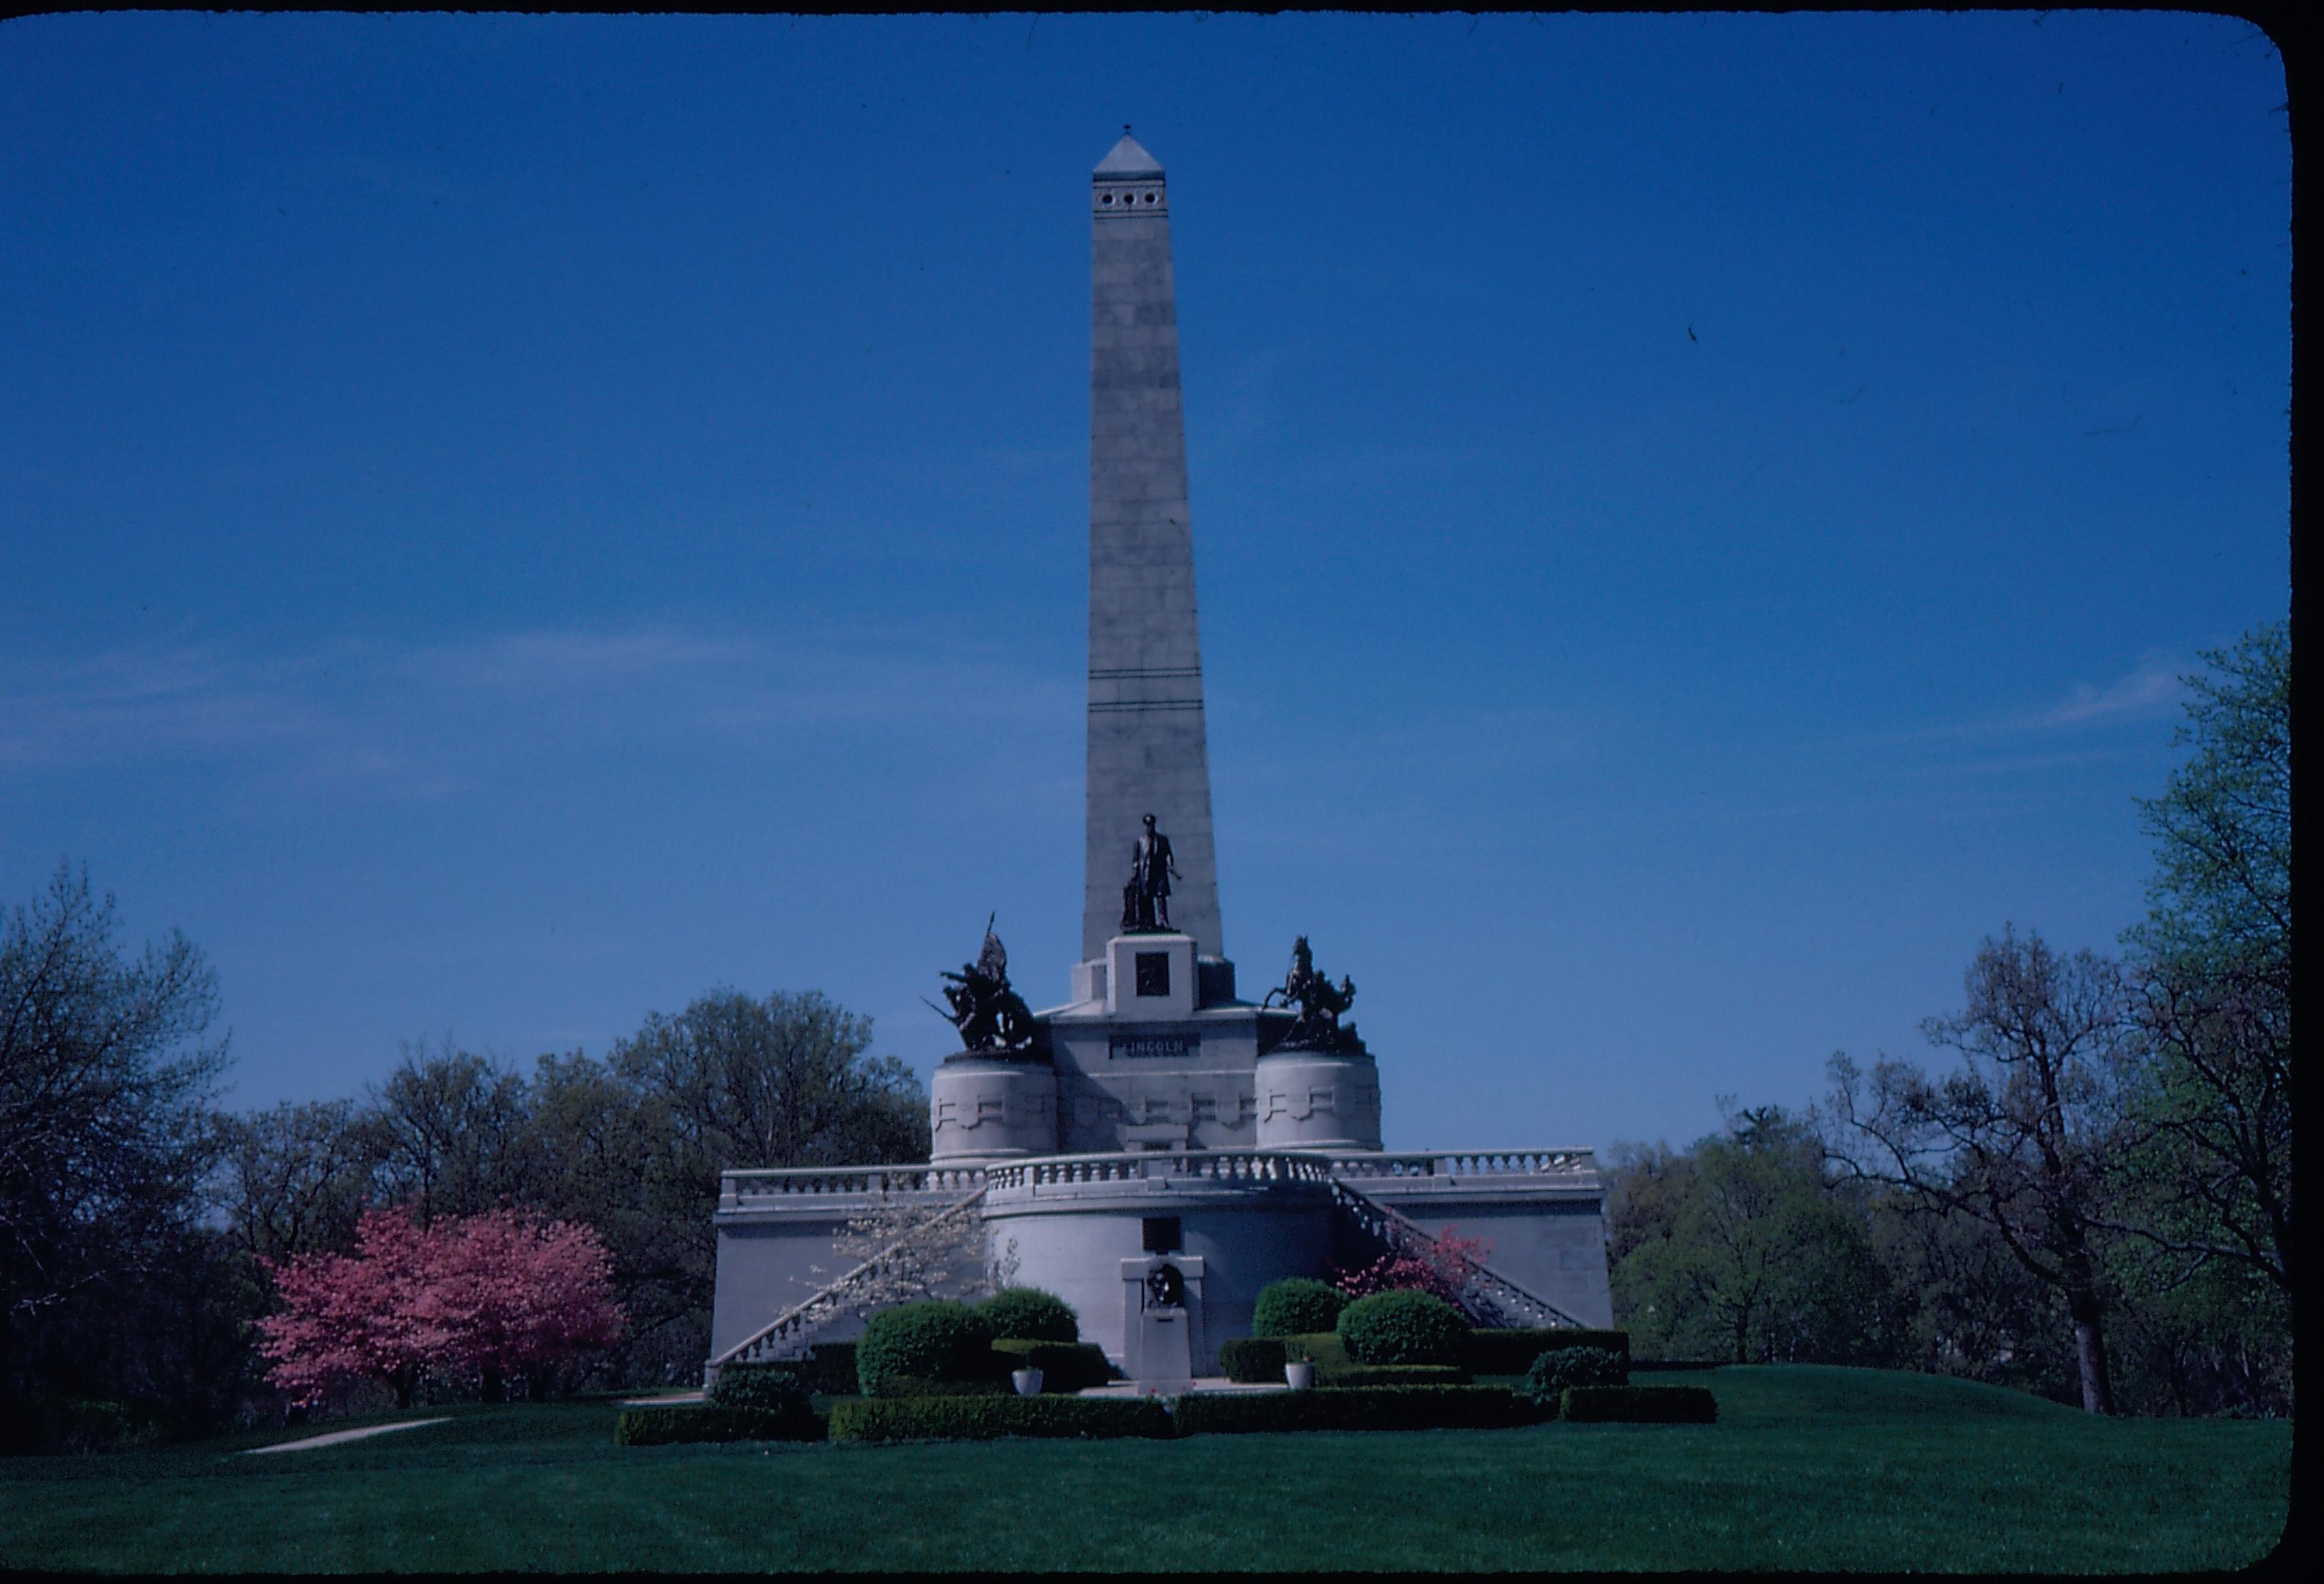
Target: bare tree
2026 1135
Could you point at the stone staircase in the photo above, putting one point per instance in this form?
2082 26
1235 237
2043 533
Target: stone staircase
1490 1298
791 1333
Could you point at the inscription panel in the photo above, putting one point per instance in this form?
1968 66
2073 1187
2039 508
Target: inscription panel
1152 1047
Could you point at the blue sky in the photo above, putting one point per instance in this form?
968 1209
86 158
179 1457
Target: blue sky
511 522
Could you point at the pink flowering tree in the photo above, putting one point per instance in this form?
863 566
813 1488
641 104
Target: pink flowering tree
1438 1265
518 1294
359 1315
497 1293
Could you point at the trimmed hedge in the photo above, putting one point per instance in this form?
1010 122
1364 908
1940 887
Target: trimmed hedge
936 1343
1641 1406
985 1418
1449 1407
663 1427
759 1385
1032 1313
995 1384
1065 1366
1295 1306
1252 1360
830 1368
1353 1376
1404 1326
1260 1360
1513 1351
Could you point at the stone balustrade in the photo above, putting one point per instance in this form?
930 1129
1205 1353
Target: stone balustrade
753 1185
1462 1162
761 1187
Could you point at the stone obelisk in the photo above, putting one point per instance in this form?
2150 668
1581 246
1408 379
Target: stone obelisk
1146 738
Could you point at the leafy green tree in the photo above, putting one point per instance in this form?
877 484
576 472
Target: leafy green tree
1742 1250
2213 959
638 1142
607 1153
106 1136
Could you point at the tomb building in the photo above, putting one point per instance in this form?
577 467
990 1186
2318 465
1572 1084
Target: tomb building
1157 1148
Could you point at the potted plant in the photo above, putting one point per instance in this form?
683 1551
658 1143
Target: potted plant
1027 1381
1298 1369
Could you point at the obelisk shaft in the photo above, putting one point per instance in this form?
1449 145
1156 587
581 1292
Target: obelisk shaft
1146 753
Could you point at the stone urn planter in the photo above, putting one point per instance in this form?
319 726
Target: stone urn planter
1027 1381
1300 1374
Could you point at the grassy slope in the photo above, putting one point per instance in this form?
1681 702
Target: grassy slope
1808 1468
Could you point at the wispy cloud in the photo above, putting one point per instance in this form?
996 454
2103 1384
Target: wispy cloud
423 720
2150 690
537 663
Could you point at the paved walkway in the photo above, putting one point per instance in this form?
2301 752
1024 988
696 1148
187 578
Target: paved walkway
337 1436
667 1400
1209 1383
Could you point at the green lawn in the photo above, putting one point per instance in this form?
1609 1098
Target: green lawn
1808 1468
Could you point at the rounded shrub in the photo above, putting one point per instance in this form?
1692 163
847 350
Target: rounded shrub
1562 1368
1404 1326
1031 1314
936 1342
1298 1306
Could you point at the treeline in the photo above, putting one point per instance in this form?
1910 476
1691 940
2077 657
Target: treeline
2090 1197
137 1218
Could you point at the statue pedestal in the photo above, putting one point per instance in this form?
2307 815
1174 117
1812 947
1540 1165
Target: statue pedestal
986 1108
1161 1337
1318 1100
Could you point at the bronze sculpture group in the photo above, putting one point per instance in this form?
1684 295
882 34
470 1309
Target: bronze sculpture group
1317 1025
990 1016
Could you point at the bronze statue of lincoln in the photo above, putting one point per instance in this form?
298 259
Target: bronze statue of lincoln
1146 900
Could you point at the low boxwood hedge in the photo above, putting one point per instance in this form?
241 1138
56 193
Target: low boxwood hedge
1065 1366
995 1384
1641 1406
1512 1351
1328 1352
1434 1407
1251 1360
985 1418
663 1427
1351 1376
759 1385
1295 1305
1404 1326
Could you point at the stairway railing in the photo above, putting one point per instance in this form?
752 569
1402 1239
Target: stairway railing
786 1336
1490 1298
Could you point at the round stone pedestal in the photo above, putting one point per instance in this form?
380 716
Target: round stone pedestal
986 1109
1318 1100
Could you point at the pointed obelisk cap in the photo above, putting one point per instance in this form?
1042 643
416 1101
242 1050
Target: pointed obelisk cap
1128 162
